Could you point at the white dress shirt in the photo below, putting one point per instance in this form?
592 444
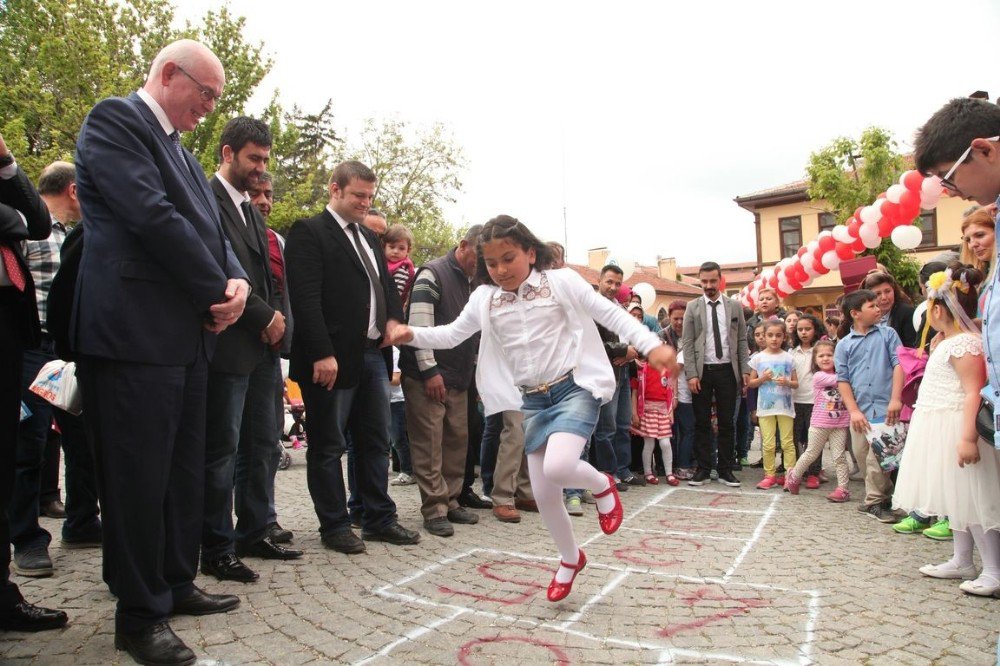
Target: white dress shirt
161 115
373 332
239 198
710 331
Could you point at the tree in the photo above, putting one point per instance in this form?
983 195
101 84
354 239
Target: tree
848 174
59 58
418 172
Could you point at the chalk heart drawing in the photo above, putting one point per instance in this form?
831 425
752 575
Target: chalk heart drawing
503 571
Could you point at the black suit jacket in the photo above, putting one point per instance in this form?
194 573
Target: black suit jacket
329 292
901 319
239 348
18 194
155 257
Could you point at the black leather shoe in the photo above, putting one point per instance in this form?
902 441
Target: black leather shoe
473 501
700 478
279 534
229 567
727 478
346 542
25 617
635 480
157 645
395 534
268 550
200 602
53 509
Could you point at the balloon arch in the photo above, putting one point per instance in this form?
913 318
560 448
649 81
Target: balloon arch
890 215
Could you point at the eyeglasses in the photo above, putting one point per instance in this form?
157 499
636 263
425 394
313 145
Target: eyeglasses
946 179
206 93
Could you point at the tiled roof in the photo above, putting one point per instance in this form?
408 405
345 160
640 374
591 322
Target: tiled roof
796 187
643 274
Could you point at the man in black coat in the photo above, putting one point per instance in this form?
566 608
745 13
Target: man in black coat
23 216
344 301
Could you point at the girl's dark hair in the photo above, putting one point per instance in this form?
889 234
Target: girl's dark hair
873 280
853 301
774 323
818 329
510 229
969 301
821 343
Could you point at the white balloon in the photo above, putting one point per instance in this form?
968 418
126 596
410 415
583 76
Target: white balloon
807 264
627 265
812 247
831 260
841 234
870 215
871 242
930 192
894 192
767 274
906 237
646 292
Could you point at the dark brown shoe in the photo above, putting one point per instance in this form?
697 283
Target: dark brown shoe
526 505
506 513
53 509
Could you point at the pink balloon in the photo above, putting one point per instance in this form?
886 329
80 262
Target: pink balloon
911 180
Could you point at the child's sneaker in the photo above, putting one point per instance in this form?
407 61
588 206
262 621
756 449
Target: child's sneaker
403 479
744 462
812 482
574 506
909 525
780 479
767 483
792 483
588 497
839 495
939 531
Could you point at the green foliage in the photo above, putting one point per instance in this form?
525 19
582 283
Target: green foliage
849 174
58 58
418 172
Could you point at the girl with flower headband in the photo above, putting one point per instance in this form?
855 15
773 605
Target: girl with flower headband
946 469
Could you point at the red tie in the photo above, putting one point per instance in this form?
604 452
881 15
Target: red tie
14 270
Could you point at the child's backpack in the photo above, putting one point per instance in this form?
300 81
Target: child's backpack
914 362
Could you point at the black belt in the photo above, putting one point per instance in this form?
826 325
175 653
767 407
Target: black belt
373 344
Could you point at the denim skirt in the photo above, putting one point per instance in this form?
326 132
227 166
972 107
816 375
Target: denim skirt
566 407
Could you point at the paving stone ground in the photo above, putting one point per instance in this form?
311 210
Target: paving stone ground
707 575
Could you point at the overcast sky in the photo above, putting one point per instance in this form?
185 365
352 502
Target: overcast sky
643 119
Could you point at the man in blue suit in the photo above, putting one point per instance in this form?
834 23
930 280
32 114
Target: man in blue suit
158 280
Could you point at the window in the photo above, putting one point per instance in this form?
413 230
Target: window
827 221
791 235
928 229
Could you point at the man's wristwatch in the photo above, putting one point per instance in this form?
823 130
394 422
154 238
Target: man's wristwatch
6 160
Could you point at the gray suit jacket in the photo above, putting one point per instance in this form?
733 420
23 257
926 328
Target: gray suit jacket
693 338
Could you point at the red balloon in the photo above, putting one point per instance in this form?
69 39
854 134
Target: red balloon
909 206
826 243
722 283
773 282
854 227
781 294
858 246
844 251
802 250
819 267
885 227
912 181
890 210
794 283
857 213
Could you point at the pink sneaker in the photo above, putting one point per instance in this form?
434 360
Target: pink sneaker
780 479
839 495
767 483
792 483
812 482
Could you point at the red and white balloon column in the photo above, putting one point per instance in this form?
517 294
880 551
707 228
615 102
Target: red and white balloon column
890 215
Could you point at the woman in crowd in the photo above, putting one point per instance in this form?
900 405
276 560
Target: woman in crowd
894 304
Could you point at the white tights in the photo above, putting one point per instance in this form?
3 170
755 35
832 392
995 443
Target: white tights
551 468
988 544
665 451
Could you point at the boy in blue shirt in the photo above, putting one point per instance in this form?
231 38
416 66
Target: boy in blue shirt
870 380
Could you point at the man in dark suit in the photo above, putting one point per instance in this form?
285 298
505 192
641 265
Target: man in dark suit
241 387
23 216
714 341
344 301
158 280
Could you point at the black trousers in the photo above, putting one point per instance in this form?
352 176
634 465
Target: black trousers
147 426
11 352
718 385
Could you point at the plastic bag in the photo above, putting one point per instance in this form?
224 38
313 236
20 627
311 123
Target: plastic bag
56 383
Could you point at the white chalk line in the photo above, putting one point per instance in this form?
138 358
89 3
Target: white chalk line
605 591
758 495
692 535
753 539
411 636
710 509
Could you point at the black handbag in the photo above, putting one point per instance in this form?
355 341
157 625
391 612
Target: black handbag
985 423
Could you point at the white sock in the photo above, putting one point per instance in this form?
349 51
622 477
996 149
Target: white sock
962 558
667 454
647 455
988 544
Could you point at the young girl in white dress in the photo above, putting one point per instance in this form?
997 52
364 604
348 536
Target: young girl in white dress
946 469
540 352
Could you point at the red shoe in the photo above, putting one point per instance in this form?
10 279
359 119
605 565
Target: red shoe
767 483
672 480
612 520
652 480
812 482
780 480
559 591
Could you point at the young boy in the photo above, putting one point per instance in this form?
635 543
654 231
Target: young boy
961 145
870 380
397 243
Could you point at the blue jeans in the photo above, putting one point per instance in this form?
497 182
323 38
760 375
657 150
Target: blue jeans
240 454
488 450
82 512
364 411
400 442
604 435
623 421
684 434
